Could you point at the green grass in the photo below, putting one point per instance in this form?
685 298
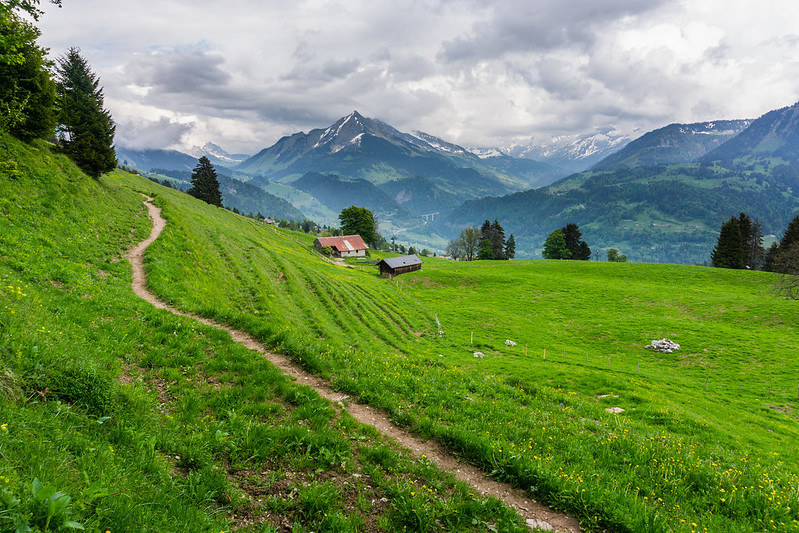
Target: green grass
687 450
118 416
186 405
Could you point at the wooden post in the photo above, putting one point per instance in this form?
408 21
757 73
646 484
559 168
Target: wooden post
638 370
545 354
471 339
525 350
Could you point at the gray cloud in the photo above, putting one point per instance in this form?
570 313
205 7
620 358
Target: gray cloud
178 71
524 26
475 72
144 134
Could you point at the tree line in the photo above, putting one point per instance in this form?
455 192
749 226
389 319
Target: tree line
740 246
487 242
60 101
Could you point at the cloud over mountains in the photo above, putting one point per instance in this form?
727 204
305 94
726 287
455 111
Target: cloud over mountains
478 73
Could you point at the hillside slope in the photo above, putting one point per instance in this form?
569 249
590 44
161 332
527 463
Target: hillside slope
673 144
117 416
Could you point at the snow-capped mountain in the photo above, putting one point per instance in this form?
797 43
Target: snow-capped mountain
217 155
572 152
674 144
359 147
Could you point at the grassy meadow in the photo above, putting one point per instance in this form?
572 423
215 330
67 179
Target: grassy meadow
127 410
706 441
116 416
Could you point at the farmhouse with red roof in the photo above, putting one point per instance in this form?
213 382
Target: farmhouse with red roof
347 246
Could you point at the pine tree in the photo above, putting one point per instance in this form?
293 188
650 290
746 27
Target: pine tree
729 250
204 183
497 238
86 130
510 247
753 246
577 247
791 234
486 250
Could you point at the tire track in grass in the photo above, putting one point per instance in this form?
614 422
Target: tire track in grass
536 514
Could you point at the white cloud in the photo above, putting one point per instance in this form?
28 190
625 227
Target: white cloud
244 73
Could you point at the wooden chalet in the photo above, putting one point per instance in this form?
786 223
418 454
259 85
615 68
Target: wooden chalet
347 246
394 266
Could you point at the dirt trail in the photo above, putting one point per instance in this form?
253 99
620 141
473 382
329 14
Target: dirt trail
536 514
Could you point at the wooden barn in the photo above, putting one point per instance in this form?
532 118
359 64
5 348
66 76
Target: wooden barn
394 266
347 246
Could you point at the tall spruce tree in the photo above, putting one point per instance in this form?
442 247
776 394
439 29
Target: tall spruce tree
791 234
577 247
510 247
753 246
86 130
204 183
729 250
497 239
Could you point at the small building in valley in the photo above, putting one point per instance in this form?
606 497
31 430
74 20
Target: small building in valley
347 246
394 266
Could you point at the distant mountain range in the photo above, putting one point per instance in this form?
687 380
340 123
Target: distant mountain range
674 144
572 153
664 196
660 197
356 147
147 160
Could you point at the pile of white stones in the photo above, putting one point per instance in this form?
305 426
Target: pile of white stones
663 345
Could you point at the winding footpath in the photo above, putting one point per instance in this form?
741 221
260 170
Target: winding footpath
536 514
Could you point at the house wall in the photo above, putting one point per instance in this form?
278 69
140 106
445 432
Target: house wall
353 253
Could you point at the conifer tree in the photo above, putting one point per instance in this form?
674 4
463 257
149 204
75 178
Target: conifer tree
510 247
204 183
86 130
729 250
577 247
791 234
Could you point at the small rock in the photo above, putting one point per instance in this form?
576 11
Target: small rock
614 410
534 523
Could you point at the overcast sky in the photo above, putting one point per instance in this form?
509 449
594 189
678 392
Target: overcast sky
243 73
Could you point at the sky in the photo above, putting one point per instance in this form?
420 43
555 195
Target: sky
480 73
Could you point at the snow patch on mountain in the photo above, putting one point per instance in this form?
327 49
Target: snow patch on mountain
216 154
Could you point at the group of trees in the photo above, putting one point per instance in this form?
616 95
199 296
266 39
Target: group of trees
486 243
66 105
740 244
567 243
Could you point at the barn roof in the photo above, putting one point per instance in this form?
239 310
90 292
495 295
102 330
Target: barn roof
401 261
348 243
